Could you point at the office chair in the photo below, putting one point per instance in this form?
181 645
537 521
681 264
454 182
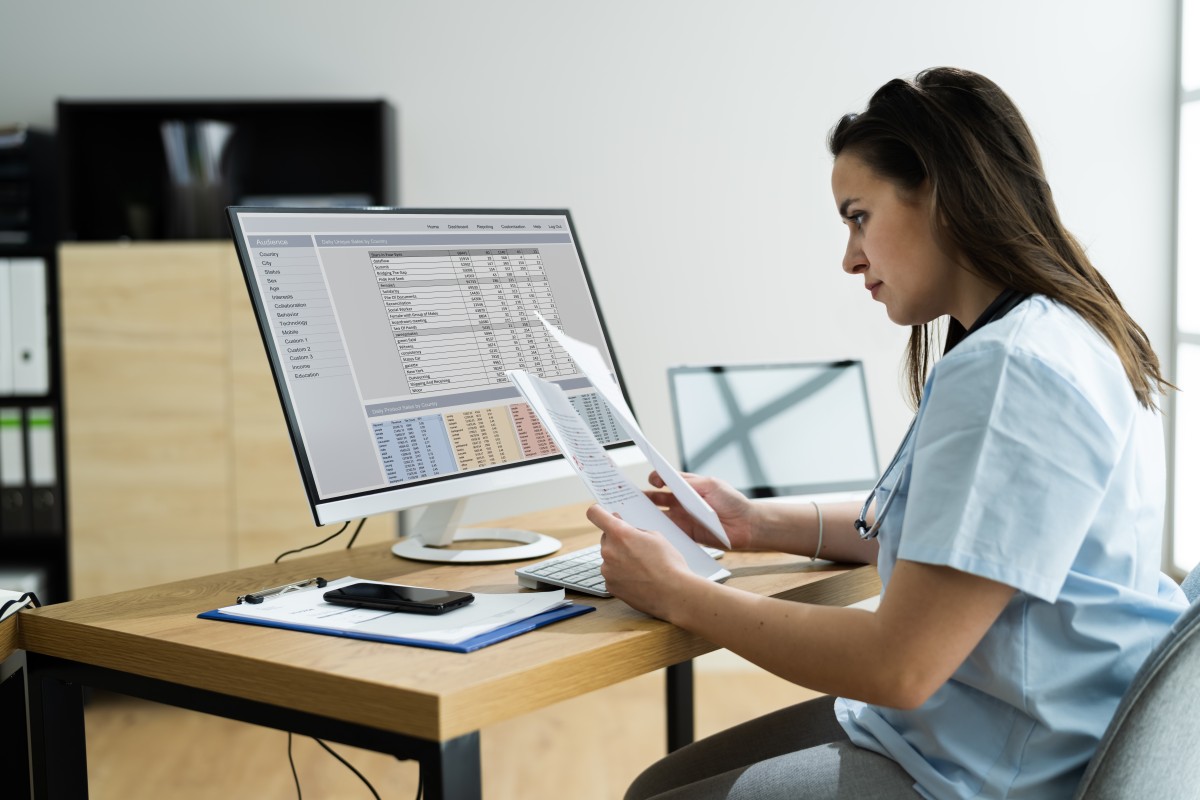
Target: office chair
1152 745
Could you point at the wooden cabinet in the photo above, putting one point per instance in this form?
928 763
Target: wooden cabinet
178 455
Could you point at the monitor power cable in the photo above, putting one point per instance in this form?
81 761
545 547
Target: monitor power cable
349 766
328 749
328 538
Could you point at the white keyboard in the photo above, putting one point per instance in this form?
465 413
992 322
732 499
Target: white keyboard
578 571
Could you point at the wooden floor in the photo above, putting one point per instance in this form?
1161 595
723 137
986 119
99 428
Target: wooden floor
588 748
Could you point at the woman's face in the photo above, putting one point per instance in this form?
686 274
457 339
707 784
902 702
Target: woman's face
892 246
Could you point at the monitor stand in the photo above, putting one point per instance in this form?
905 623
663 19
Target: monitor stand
437 528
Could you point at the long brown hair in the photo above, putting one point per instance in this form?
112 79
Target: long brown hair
990 203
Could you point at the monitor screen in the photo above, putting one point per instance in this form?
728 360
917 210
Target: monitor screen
389 332
776 429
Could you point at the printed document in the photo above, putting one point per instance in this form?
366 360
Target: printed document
604 479
591 363
12 602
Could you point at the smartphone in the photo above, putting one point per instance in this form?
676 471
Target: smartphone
390 597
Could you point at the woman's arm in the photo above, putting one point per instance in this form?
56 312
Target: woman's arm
783 527
796 527
930 620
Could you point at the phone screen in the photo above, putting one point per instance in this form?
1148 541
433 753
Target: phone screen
391 597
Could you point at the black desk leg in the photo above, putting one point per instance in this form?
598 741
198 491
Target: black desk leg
14 720
453 772
57 744
681 717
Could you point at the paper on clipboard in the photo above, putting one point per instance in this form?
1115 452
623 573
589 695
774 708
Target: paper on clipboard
604 479
307 610
592 364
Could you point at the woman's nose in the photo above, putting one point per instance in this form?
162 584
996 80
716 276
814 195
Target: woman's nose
855 260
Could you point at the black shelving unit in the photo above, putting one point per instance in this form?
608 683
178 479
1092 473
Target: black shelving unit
34 538
166 169
156 170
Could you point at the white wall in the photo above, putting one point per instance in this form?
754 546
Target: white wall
686 136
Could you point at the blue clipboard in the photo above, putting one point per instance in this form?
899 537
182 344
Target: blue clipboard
465 646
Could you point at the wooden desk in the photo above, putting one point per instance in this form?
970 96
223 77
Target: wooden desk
8 638
407 701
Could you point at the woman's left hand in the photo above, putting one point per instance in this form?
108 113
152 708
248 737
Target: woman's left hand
640 567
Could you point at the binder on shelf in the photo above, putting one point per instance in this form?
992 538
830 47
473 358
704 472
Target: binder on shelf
7 346
30 327
45 514
14 501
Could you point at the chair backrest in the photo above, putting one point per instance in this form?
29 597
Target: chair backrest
1191 585
1152 745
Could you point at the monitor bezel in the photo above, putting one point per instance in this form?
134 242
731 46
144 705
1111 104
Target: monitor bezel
441 488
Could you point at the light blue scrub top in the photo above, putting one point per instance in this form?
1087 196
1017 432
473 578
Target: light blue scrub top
1031 464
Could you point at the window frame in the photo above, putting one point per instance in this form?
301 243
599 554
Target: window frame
1180 338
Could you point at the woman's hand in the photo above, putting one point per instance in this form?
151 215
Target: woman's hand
640 567
733 509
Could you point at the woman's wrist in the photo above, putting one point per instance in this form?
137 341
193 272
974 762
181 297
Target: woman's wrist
768 522
756 527
789 527
687 600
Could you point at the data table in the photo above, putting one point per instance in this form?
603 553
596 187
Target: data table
462 318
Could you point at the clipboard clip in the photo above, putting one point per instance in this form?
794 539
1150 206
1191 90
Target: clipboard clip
275 591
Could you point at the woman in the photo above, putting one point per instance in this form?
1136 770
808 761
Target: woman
1017 533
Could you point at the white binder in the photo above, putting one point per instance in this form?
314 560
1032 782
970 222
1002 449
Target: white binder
12 449
39 425
30 329
45 514
14 508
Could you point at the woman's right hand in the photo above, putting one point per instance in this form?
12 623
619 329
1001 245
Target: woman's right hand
734 510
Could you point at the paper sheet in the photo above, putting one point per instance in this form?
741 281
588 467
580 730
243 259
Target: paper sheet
592 364
7 596
487 613
603 478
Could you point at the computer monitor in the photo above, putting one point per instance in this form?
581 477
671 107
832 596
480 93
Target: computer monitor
389 332
794 430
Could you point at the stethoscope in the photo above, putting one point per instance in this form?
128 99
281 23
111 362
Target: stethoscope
1005 302
871 531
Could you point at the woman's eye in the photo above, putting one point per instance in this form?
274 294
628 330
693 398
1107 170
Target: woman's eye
857 219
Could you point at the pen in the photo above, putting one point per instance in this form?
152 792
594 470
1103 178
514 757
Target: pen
259 596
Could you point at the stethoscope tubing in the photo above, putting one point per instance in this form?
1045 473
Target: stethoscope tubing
871 531
1006 301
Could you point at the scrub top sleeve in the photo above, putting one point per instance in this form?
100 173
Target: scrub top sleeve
1010 464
